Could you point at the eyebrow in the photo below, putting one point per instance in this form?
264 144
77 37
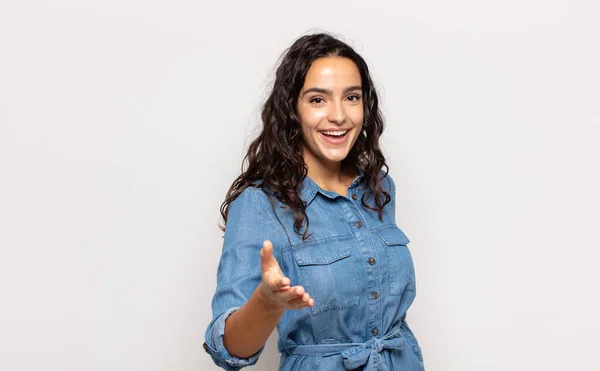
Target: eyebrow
329 92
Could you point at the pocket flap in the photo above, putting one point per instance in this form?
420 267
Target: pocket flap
319 253
393 236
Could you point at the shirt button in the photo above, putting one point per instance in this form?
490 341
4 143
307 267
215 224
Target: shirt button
371 261
205 346
358 224
375 332
374 295
354 197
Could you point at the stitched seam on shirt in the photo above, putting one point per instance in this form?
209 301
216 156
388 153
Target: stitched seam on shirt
337 237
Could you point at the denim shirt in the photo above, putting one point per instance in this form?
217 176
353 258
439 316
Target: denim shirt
358 270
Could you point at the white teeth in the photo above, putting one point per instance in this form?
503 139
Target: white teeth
337 133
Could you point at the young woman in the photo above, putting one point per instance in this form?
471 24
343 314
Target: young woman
311 244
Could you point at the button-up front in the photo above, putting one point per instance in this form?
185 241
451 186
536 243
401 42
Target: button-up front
359 315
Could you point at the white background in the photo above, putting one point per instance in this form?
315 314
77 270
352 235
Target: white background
123 123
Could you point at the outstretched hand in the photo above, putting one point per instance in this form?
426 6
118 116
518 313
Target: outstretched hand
275 285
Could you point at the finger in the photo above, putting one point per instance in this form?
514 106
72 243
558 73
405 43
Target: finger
299 302
266 256
308 300
292 293
276 282
304 297
285 282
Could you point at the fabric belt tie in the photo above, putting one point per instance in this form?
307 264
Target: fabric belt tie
368 353
355 355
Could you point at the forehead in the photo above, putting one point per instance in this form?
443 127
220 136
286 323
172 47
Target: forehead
332 72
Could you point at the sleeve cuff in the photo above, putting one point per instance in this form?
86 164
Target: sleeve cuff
214 346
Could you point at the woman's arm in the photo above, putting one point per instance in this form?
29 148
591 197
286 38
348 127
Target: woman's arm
248 328
251 296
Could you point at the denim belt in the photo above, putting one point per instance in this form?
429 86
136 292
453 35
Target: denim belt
355 355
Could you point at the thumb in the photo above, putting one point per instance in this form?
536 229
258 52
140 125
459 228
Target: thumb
268 263
266 256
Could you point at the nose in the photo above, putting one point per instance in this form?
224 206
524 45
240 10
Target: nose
337 113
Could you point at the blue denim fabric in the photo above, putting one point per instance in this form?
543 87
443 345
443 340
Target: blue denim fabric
358 270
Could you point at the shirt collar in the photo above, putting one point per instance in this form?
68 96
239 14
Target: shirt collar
308 188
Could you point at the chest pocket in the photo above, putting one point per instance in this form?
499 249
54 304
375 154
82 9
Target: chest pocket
327 272
401 271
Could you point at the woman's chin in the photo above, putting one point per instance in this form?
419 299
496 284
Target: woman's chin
335 158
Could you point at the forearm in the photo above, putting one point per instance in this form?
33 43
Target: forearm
248 328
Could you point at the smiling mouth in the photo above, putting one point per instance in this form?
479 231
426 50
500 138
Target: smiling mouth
335 133
335 137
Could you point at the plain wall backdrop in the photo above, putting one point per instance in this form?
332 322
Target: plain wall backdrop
123 123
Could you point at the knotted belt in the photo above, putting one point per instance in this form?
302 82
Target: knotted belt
355 355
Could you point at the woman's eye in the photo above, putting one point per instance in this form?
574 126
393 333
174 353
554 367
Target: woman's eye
316 100
354 98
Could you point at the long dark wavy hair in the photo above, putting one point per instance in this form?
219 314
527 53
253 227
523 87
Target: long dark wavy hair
275 156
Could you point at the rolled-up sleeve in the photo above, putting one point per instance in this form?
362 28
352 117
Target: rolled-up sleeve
239 273
214 345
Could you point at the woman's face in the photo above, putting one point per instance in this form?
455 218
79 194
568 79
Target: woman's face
330 108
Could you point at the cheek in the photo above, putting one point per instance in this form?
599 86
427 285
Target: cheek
317 116
357 115
310 120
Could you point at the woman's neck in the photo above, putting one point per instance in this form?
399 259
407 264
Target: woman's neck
334 176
